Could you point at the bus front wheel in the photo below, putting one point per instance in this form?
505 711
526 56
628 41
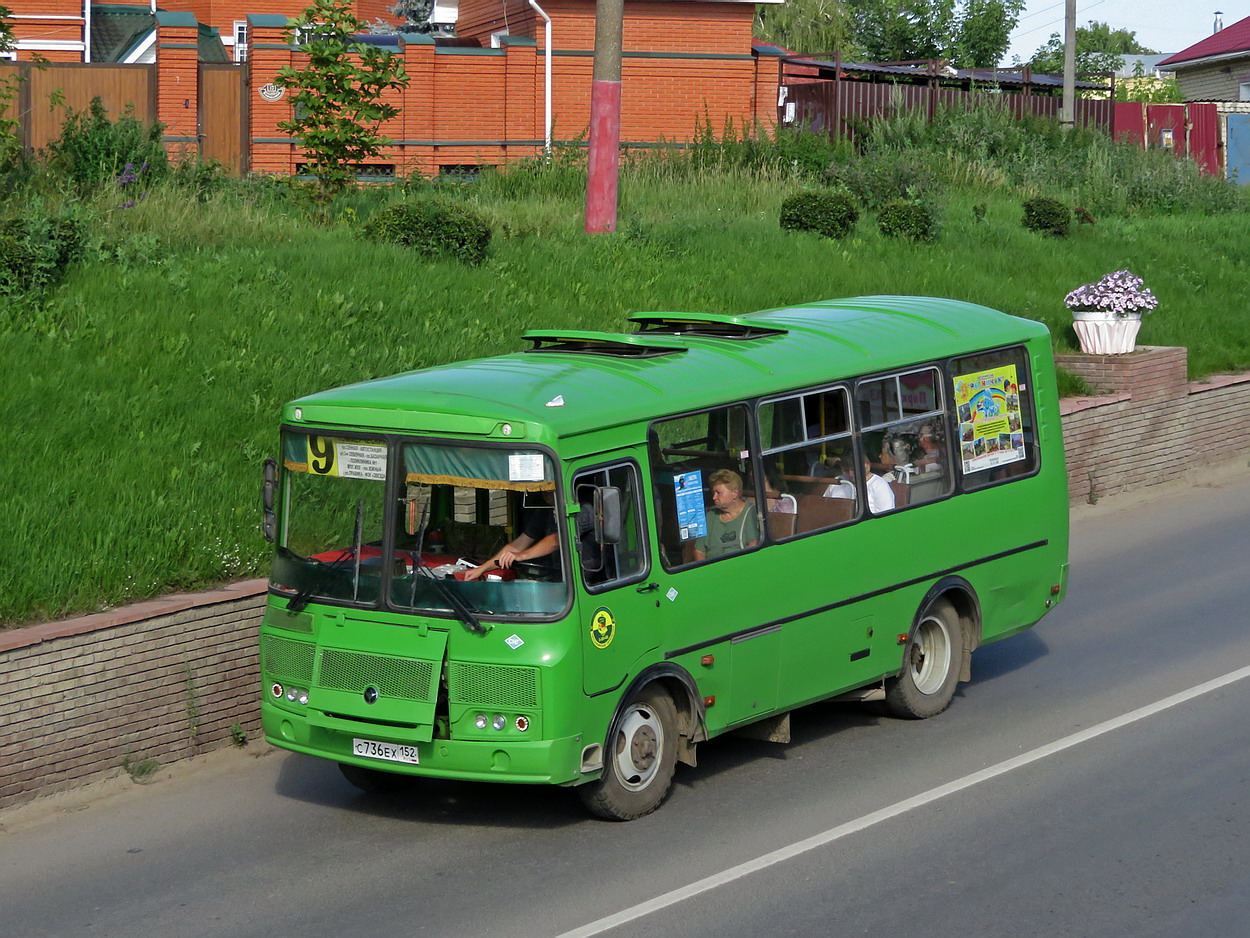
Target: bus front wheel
931 660
639 760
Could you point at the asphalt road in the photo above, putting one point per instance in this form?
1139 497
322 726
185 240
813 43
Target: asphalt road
1093 779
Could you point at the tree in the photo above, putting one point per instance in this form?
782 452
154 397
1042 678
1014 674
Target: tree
416 14
898 30
984 32
808 27
1099 48
337 106
10 142
967 33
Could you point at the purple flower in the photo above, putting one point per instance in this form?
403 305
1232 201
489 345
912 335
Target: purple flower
1121 292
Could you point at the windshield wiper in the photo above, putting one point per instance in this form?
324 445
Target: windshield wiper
322 574
456 602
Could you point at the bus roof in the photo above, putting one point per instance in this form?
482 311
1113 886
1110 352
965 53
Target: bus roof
597 380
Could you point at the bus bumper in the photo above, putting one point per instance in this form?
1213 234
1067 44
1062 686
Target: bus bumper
535 762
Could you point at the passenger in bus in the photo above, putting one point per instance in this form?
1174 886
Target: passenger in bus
930 458
732 524
537 542
880 495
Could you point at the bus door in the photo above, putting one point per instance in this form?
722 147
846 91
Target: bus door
715 587
617 605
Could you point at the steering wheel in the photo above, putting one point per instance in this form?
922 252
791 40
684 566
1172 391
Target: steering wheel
529 570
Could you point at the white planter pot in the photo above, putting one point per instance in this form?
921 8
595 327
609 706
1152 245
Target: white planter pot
1103 333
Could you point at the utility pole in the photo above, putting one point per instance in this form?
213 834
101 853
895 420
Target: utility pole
1067 113
603 169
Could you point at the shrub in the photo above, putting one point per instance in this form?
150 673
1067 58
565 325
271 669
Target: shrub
829 213
433 228
36 249
910 219
884 176
1047 216
93 149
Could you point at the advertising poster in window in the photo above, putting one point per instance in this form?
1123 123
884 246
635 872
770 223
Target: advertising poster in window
691 517
990 429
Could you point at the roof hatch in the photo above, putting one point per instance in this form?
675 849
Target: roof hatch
602 343
702 325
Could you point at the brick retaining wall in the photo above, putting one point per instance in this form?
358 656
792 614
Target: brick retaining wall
168 678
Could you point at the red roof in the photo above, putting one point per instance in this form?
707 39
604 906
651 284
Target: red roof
1228 41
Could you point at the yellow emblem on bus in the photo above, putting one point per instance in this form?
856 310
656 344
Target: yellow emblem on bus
602 627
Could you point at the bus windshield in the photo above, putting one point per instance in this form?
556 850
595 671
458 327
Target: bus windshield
457 506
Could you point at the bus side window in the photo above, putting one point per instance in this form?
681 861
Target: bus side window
904 438
993 402
688 455
609 565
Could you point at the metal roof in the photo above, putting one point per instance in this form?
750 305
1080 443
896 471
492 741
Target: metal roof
553 395
923 72
1228 42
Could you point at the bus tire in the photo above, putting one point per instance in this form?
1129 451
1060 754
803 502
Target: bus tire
639 759
931 662
374 781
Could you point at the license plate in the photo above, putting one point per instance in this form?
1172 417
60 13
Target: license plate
391 752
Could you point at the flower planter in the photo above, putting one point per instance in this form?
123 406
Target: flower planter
1106 333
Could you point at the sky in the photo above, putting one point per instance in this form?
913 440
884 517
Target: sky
1166 25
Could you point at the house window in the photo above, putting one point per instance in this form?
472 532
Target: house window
240 40
1243 91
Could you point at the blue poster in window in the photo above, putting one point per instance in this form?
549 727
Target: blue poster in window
691 519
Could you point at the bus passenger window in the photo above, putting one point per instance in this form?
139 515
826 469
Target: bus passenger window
905 440
808 462
993 403
706 501
609 565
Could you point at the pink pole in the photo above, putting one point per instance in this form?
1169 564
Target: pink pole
603 168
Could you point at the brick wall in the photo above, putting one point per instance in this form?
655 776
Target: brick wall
158 680
78 698
1149 423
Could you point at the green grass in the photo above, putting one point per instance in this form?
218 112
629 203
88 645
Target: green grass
142 394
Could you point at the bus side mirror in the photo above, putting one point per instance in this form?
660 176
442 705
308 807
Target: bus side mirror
607 514
269 487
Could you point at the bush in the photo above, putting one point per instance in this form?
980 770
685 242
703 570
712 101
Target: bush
433 228
1047 216
904 218
881 177
36 249
93 149
829 213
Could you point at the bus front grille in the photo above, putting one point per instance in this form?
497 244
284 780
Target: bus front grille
286 658
494 685
403 678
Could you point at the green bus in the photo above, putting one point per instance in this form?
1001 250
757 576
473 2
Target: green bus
571 565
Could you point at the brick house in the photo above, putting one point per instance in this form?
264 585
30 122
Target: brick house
1217 68
84 32
475 99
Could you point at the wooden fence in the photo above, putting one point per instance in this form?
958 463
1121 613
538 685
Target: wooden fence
46 91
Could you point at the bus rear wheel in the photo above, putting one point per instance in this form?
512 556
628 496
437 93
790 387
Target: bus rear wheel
931 661
639 759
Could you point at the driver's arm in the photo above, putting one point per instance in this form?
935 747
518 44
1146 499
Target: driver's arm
511 552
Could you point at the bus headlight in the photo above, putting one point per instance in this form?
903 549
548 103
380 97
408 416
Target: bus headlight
276 690
303 697
499 722
522 723
480 721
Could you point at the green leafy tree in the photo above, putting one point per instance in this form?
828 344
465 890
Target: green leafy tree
10 141
808 27
984 31
337 93
1099 48
898 30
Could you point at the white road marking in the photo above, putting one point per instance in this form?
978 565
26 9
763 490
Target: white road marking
876 817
